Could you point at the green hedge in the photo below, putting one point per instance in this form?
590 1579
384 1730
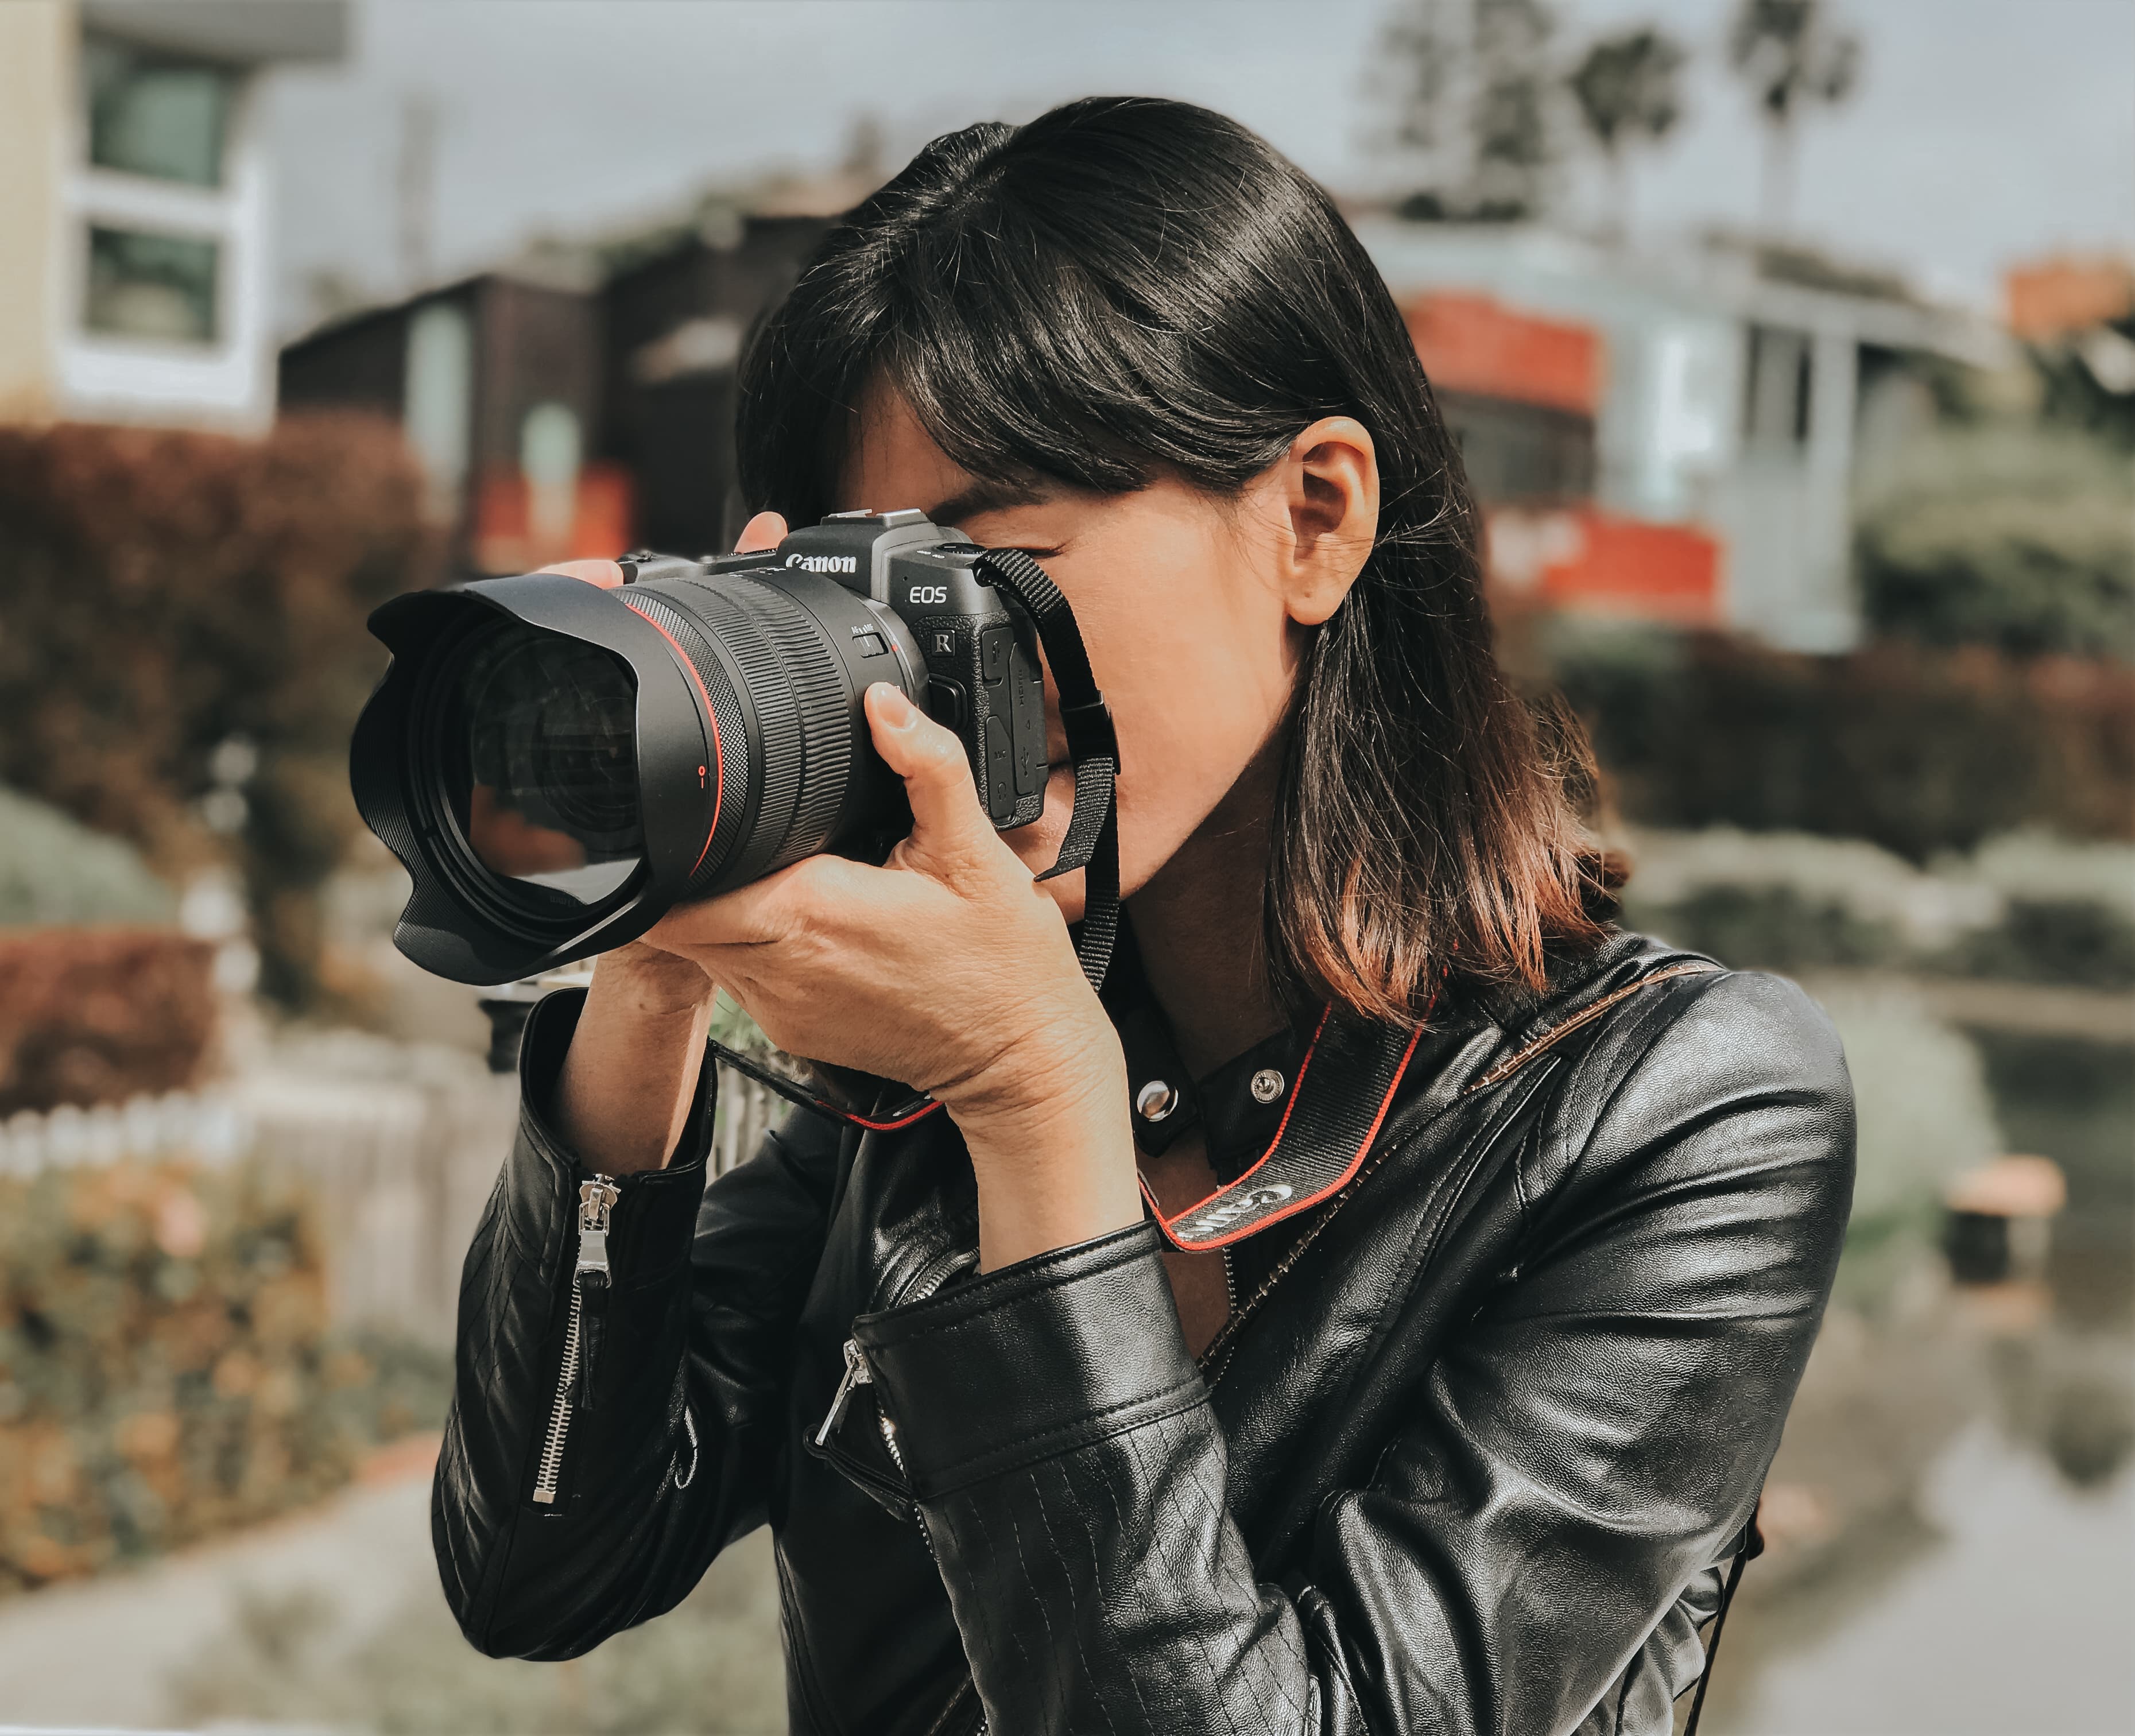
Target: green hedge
54 871
98 1015
1918 750
2024 908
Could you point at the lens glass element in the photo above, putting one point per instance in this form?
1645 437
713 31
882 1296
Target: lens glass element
545 767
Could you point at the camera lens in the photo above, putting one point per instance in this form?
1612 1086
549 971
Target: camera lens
540 766
558 764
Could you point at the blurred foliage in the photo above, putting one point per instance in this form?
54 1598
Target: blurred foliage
2019 537
54 870
2070 391
1770 927
168 591
2052 940
711 1666
1916 749
1471 95
98 1015
1923 1116
166 1371
2024 908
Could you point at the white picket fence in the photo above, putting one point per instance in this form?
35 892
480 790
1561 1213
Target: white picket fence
399 1145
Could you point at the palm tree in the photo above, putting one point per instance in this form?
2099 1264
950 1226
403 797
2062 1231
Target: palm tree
1627 90
1790 55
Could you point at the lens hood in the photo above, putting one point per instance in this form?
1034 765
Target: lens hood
453 925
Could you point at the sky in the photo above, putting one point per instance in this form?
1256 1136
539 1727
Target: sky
1983 132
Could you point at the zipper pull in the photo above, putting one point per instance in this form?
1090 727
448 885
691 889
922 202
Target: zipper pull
597 1199
857 1374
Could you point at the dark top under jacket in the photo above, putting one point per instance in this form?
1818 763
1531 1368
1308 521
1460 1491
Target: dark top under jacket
1464 1459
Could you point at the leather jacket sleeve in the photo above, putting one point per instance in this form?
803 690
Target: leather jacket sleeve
1578 1457
667 1458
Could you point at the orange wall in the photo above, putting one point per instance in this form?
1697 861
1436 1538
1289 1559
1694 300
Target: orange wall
1597 563
2062 295
504 539
1473 343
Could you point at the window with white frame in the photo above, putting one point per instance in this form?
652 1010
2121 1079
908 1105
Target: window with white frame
156 198
164 317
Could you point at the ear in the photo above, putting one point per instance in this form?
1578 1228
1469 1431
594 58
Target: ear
1330 484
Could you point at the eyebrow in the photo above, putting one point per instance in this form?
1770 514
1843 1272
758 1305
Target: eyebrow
987 497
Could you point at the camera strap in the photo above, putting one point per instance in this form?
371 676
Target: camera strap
1092 839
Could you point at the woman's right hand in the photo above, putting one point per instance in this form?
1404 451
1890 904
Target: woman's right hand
630 1076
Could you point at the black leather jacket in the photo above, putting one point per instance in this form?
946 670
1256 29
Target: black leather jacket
1464 1460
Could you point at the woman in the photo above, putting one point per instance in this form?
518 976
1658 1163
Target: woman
1452 1432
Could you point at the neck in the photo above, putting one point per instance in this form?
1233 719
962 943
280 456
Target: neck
1197 925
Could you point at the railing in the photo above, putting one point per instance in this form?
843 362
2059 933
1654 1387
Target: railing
399 1146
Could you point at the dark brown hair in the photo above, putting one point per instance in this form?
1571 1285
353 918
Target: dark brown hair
1127 287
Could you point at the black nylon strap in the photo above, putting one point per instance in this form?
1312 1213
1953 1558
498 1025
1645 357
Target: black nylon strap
1752 1544
900 1114
1092 840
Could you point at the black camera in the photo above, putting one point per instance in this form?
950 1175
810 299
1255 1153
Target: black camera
557 763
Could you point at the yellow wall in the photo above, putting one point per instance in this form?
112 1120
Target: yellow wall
37 39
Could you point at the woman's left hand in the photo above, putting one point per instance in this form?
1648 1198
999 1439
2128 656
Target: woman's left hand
949 969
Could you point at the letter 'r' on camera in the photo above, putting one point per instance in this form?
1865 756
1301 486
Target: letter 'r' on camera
557 765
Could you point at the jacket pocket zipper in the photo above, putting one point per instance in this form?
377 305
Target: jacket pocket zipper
857 1372
585 1333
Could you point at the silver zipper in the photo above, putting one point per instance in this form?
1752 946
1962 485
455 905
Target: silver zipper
597 1199
857 1372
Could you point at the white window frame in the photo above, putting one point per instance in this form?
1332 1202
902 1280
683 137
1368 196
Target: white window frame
226 382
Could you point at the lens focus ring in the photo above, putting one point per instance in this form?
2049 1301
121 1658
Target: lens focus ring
733 753
823 707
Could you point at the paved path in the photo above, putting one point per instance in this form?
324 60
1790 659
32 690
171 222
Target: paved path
101 1653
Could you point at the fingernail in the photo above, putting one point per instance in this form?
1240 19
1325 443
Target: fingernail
898 711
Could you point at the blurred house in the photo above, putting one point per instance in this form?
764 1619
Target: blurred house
497 381
578 404
1670 437
2076 317
133 206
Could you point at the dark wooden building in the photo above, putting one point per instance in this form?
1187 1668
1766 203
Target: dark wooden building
556 417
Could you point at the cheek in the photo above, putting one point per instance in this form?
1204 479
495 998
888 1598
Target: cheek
1197 670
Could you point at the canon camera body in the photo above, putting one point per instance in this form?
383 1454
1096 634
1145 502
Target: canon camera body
558 763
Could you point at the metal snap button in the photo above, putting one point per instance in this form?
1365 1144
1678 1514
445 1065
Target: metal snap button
1155 1101
1266 1085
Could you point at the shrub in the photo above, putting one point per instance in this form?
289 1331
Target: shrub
53 870
98 1015
2019 537
2025 907
1919 751
165 1372
169 590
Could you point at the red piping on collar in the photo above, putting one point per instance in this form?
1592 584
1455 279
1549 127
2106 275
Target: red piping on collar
1290 1208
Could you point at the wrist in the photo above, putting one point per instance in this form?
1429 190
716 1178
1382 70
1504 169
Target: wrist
1051 1148
642 982
1066 1081
630 1076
